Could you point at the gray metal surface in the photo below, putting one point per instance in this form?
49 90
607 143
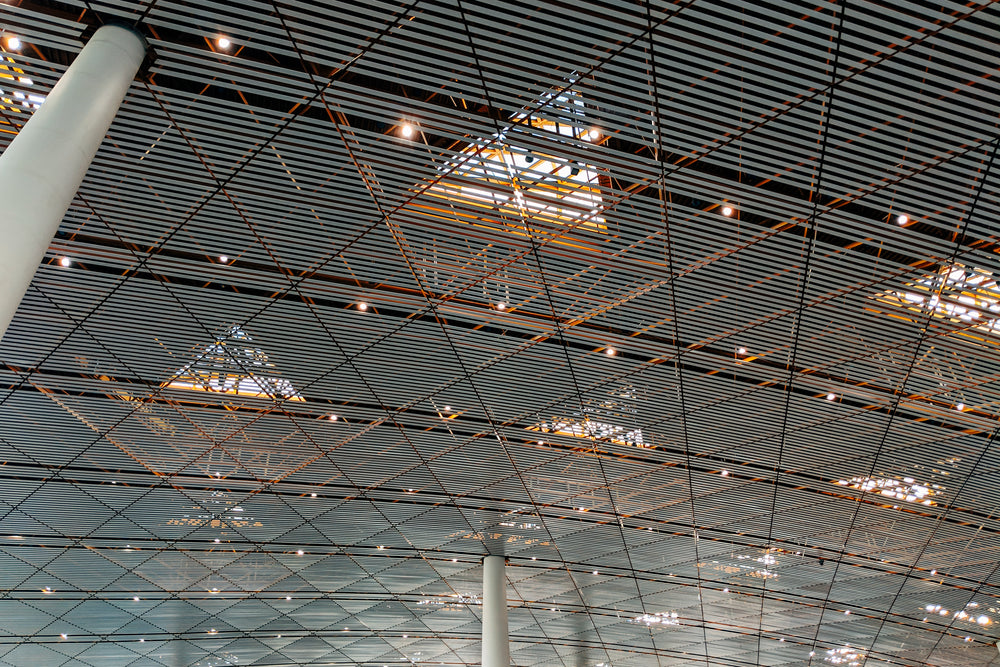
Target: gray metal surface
762 438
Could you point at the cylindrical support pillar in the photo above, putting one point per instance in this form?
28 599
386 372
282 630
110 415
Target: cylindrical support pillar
496 642
43 166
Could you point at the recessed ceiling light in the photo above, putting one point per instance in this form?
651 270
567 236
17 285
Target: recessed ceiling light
312 495
594 135
13 43
135 598
960 406
501 306
333 418
65 261
831 396
406 130
223 259
63 635
741 350
610 352
223 42
300 552
902 219
727 211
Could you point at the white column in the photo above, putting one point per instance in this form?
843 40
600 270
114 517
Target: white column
496 643
43 166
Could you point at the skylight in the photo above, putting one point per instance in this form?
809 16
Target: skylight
605 419
659 618
548 191
15 96
900 488
964 295
234 366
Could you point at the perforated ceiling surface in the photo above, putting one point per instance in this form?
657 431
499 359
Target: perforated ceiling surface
686 308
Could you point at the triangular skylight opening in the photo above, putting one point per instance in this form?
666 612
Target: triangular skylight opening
550 191
610 419
964 295
233 365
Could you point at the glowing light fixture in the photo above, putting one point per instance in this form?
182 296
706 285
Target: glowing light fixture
223 42
65 261
610 352
362 306
831 396
406 130
727 211
13 43
902 219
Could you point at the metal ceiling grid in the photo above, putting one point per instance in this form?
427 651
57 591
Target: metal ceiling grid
739 417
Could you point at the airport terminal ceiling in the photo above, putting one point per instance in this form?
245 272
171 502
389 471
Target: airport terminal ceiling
689 309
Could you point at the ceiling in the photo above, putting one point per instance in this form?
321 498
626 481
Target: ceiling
688 309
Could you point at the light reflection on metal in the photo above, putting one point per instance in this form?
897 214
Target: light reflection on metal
899 488
502 177
970 614
232 366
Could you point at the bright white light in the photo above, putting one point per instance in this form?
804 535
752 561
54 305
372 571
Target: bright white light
725 473
63 635
501 306
300 552
660 618
362 306
594 135
406 130
741 350
13 43
902 219
47 590
594 572
223 259
960 406
135 598
333 418
213 631
65 261
217 540
831 396
610 352
313 495
223 43
727 211
288 597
